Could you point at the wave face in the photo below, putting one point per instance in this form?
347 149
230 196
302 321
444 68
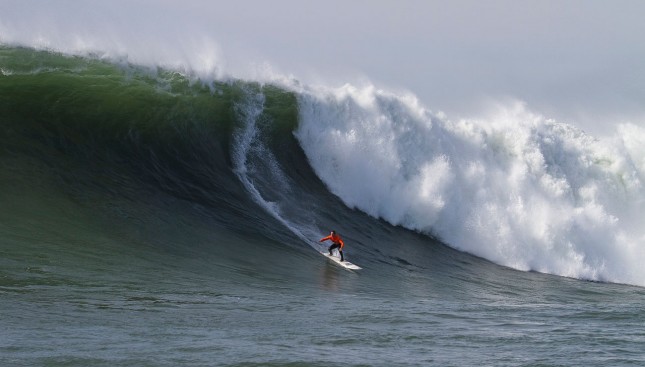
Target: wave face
128 131
517 189
273 160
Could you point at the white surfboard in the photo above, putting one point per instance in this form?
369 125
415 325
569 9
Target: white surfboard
345 264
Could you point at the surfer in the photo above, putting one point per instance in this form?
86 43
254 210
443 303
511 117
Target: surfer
337 242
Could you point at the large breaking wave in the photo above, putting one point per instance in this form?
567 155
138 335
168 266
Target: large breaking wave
515 188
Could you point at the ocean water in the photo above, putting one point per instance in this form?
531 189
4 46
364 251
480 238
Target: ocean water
153 217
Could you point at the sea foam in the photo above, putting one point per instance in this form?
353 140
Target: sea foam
515 188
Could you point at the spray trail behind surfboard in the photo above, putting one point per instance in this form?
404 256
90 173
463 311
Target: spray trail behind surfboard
260 172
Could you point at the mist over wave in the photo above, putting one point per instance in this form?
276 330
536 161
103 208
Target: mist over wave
516 188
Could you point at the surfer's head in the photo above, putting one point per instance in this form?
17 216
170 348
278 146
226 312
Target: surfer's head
333 232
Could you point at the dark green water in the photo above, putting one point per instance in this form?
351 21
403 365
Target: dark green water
129 237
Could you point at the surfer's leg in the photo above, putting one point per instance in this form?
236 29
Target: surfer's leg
341 255
332 247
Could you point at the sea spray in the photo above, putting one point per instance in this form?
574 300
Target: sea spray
516 188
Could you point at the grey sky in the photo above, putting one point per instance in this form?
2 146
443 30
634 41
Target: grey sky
581 62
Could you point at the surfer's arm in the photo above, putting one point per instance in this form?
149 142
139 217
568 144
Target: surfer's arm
325 239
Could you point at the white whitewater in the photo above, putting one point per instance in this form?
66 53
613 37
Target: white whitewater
518 189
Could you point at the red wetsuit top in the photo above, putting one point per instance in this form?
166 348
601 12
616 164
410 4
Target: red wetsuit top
335 239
